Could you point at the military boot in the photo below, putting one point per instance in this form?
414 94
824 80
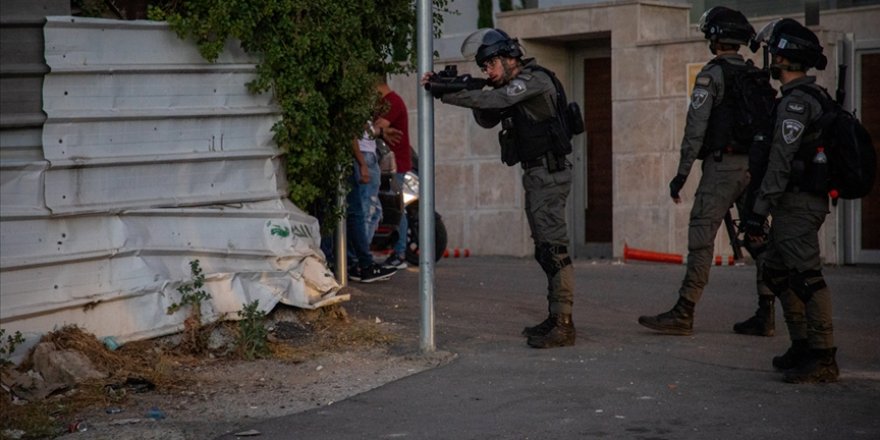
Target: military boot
797 354
560 335
541 329
763 323
678 321
820 367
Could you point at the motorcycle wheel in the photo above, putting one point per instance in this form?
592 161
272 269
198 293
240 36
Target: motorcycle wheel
412 235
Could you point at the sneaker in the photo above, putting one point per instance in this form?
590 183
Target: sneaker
394 261
375 273
354 273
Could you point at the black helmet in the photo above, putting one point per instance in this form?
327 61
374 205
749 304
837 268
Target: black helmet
485 44
725 25
794 42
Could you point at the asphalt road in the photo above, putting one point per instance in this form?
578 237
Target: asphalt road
620 380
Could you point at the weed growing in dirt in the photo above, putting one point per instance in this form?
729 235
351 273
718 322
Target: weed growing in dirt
192 294
8 347
252 340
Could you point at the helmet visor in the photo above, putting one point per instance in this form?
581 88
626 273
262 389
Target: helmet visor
703 20
472 43
763 36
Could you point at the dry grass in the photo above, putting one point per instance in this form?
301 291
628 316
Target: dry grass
330 330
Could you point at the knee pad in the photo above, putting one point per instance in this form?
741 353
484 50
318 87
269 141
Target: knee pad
806 283
547 256
776 280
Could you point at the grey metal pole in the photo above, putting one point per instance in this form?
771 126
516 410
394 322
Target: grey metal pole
425 51
340 248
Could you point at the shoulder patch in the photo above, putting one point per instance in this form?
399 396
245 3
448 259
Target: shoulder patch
516 87
796 107
704 81
698 98
791 130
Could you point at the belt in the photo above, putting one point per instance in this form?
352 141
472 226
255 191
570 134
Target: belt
534 163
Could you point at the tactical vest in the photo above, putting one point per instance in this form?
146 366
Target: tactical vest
805 175
536 138
744 113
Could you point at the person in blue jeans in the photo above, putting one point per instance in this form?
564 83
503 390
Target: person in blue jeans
362 267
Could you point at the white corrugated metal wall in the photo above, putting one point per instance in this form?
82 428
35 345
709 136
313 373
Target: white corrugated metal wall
152 158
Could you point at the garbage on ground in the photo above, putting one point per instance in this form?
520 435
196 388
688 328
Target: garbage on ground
113 410
78 426
155 414
133 384
248 433
111 343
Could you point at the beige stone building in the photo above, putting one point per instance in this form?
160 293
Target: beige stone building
630 65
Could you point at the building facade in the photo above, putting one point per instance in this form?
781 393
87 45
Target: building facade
630 64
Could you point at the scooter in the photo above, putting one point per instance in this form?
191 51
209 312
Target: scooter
400 200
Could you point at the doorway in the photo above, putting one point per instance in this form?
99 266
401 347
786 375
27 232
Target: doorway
593 183
863 235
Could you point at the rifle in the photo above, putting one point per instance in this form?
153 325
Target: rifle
449 81
734 231
735 242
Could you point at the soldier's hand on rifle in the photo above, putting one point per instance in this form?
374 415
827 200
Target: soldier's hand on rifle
754 227
675 187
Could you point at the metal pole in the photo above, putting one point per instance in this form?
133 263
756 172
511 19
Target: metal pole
425 51
340 248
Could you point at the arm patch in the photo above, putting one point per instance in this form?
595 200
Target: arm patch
704 81
796 107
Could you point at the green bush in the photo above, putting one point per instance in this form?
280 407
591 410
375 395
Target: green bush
251 342
320 59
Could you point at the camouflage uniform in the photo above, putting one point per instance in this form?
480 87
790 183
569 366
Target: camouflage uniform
724 179
545 191
792 264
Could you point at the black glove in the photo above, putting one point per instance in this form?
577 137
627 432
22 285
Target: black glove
676 184
754 226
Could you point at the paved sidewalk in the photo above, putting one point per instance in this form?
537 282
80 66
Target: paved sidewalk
620 380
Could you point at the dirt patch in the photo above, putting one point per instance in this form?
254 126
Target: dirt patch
153 391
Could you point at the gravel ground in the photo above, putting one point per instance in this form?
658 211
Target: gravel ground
219 396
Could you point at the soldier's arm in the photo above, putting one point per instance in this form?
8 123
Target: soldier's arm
794 115
521 88
706 89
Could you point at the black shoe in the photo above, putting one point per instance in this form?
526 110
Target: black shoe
820 367
541 329
678 321
762 323
562 334
394 261
375 273
797 354
354 273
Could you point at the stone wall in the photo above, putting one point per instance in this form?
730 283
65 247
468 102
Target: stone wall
652 44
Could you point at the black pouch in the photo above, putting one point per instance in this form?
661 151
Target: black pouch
575 118
507 139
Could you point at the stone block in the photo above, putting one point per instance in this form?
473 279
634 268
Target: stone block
484 141
450 141
662 22
502 232
641 180
456 228
636 226
635 73
498 185
674 59
624 25
454 186
642 126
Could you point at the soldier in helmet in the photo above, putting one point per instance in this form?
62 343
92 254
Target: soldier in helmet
710 136
523 98
794 191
